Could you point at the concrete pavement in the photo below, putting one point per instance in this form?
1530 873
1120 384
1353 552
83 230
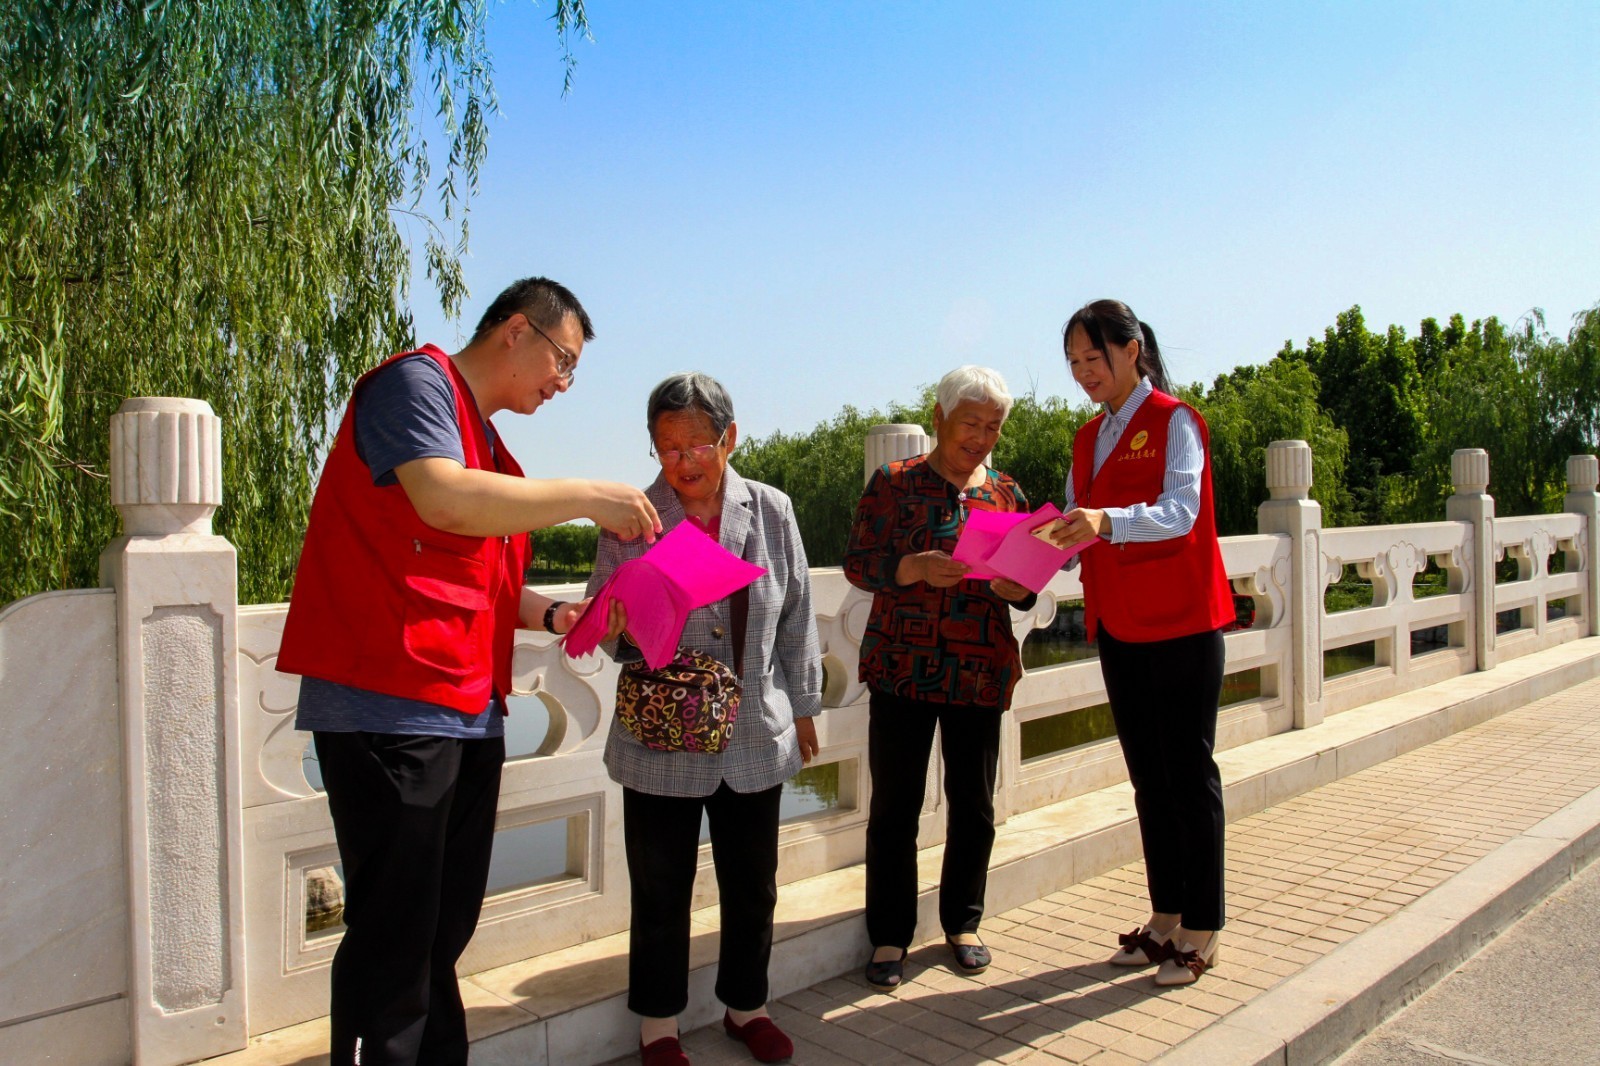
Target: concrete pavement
1347 901
1531 996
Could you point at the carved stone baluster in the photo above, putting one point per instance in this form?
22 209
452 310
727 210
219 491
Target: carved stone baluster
1291 510
1583 478
178 674
1472 504
887 443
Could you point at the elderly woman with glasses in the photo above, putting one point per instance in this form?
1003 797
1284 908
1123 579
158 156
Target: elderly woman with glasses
938 651
665 793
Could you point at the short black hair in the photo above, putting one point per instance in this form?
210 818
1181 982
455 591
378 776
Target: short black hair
543 301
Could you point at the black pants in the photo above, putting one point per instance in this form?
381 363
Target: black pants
414 818
662 836
899 739
1164 698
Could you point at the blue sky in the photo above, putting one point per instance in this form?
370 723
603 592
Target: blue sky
831 203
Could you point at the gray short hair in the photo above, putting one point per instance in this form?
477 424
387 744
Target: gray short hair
690 391
976 383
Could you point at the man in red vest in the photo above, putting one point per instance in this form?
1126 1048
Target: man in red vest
407 595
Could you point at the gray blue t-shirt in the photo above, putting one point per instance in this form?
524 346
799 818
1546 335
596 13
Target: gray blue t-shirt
405 411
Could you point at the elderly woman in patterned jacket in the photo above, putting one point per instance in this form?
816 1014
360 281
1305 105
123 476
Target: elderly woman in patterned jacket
665 793
939 650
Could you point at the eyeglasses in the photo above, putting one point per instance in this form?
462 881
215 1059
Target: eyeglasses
567 365
700 453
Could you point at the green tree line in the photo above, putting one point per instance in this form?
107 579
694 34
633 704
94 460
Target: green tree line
1382 412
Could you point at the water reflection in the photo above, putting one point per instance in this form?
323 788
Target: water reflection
539 854
1065 640
1336 661
1057 733
1431 638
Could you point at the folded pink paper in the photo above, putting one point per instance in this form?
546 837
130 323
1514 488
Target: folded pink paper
684 570
981 534
1002 544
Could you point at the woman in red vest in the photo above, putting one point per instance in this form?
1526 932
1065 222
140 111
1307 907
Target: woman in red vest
1156 599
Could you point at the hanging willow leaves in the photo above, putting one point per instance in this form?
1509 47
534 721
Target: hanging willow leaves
202 199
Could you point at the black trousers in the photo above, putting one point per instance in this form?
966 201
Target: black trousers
1164 698
414 818
899 739
662 838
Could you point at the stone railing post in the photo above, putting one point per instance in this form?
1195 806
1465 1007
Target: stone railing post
1469 472
1290 509
177 648
1583 479
886 443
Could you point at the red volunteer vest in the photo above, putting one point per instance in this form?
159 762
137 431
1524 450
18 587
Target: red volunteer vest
1158 590
383 601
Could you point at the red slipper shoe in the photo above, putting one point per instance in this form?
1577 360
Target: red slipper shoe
764 1039
664 1052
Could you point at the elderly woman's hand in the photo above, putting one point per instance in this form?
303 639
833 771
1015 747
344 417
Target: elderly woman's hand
805 731
617 621
1008 590
936 568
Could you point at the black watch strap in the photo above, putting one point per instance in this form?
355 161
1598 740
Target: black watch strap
550 615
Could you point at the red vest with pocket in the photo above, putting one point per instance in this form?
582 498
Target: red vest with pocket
385 602
1161 589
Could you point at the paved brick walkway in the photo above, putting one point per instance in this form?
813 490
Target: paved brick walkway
1303 877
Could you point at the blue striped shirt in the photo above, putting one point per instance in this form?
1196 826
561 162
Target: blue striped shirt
1173 513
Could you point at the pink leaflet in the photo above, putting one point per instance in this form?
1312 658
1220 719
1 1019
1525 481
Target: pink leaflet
684 570
981 534
1002 544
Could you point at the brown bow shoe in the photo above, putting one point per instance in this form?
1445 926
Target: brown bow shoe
1185 965
1140 948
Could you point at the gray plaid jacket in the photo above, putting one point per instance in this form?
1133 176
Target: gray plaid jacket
782 656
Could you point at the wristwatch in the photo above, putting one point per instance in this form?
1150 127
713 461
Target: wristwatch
550 615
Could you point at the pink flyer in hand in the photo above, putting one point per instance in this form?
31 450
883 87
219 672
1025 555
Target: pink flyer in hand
684 570
1003 544
1028 560
981 534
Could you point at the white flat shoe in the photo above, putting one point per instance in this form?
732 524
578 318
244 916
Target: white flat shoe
1185 964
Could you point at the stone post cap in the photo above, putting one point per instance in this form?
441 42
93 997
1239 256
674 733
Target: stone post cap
1289 469
1469 471
1583 473
887 442
166 465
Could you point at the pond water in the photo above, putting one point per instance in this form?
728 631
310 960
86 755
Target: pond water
538 854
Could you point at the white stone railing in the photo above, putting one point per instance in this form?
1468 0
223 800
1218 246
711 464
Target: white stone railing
179 815
1391 558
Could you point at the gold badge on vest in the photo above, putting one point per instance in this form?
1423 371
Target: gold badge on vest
1137 449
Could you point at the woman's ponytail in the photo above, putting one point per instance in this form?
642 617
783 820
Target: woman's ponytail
1150 363
1113 320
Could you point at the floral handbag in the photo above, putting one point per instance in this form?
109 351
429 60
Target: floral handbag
689 704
